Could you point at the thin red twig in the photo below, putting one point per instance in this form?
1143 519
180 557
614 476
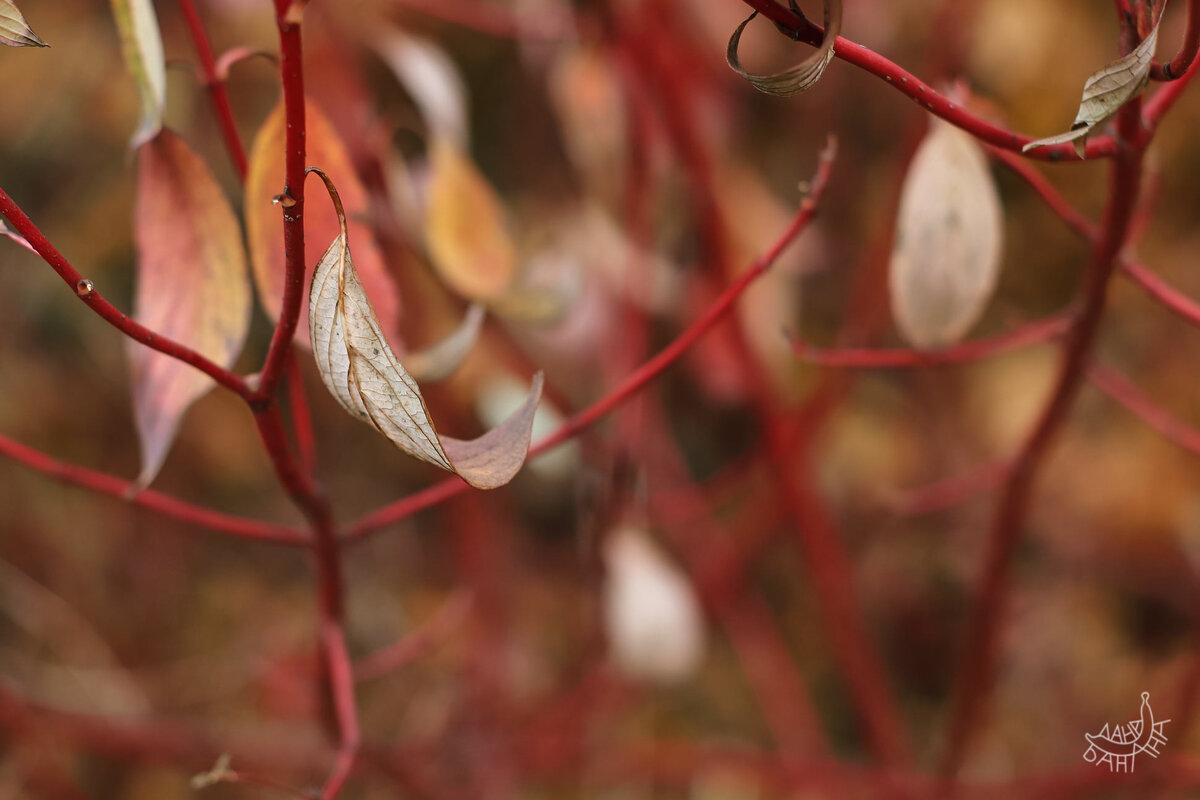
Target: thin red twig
216 88
418 642
306 443
87 292
1121 389
975 673
876 358
634 382
1183 60
496 20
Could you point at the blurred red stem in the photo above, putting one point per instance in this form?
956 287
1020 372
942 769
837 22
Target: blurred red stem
216 88
635 381
306 444
1183 60
975 673
1121 389
150 499
107 311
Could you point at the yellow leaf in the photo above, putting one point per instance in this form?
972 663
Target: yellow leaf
465 228
142 46
948 240
191 286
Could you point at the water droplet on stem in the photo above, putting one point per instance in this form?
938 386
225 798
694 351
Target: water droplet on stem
84 287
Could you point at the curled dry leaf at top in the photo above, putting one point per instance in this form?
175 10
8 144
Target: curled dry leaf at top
804 75
465 229
141 44
191 286
264 224
14 30
362 372
949 234
1105 92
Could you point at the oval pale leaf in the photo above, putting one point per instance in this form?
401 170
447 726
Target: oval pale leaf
192 286
948 240
14 30
1105 92
465 229
431 79
804 75
362 372
141 43
264 223
439 361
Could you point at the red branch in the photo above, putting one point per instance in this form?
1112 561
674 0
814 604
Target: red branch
635 381
216 88
1028 334
150 499
86 292
975 673
1183 60
1121 389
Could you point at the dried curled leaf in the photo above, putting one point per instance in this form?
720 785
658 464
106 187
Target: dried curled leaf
1105 92
804 75
265 180
948 240
14 30
465 229
142 46
363 373
192 286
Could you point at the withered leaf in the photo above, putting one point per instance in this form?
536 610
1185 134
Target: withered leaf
804 75
264 226
142 46
14 30
363 373
465 229
192 286
1105 92
948 239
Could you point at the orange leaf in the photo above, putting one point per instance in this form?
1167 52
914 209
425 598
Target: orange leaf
464 227
191 287
264 226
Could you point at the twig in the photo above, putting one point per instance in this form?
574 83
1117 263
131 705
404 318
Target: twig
1121 389
216 88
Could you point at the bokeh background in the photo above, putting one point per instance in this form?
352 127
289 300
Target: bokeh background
135 648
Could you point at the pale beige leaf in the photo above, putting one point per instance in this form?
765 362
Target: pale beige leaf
804 75
16 237
363 373
948 240
264 223
431 79
142 46
192 286
1105 92
465 229
437 362
14 30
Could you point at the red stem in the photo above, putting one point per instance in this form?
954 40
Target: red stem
306 443
1183 60
634 382
917 90
216 88
875 358
1121 389
107 311
975 673
417 642
150 499
292 73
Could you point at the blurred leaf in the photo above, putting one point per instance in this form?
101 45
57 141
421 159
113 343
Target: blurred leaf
1105 92
361 371
264 228
14 30
948 240
437 362
465 231
432 81
142 46
191 287
16 237
804 75
651 615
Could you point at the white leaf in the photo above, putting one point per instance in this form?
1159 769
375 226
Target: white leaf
438 361
363 373
1105 92
142 45
949 233
432 81
651 616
